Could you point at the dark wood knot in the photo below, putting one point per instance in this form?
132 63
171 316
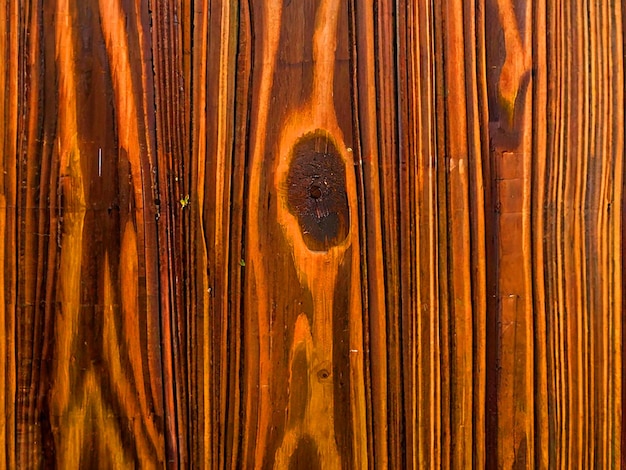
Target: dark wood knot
323 374
316 191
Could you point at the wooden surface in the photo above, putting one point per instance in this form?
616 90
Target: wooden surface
312 234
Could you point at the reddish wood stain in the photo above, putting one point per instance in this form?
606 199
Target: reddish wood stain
312 234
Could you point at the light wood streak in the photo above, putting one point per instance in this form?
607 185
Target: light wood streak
257 259
68 147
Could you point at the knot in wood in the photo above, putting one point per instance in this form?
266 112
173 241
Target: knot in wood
323 374
316 191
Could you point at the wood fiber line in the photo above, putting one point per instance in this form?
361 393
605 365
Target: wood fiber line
375 110
419 249
9 47
620 321
218 183
203 443
389 162
172 201
542 425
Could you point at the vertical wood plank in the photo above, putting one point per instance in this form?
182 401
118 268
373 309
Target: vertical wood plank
583 189
89 367
302 235
443 145
510 85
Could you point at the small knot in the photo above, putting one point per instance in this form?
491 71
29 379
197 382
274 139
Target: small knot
323 374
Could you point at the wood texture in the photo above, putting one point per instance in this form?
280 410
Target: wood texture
312 234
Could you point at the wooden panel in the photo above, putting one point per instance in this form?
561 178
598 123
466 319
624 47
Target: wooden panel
81 288
443 105
509 63
311 234
583 193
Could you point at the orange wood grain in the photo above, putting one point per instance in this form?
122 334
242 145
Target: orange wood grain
314 234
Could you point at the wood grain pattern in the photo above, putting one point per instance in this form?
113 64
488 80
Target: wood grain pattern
312 234
9 41
88 367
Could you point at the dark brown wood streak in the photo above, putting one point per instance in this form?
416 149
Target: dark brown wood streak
312 234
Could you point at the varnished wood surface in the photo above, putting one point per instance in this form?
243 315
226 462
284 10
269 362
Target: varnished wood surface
312 234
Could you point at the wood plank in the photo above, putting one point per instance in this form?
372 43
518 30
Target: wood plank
88 365
581 194
511 130
314 234
301 219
